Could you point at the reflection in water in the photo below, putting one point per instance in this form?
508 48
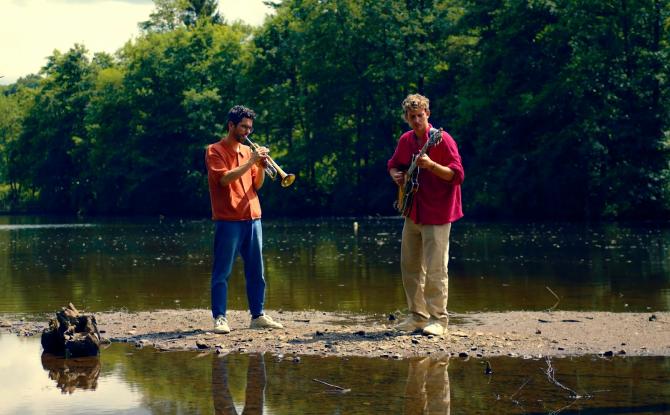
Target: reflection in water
145 381
427 390
255 392
72 374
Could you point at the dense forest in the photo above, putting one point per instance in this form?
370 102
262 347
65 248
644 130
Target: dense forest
560 108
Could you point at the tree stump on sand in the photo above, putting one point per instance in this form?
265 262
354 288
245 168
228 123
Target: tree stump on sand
71 334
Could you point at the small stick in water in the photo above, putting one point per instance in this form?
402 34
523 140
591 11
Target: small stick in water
551 375
339 388
558 300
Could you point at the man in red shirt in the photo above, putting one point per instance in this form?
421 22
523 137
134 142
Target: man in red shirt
435 205
234 174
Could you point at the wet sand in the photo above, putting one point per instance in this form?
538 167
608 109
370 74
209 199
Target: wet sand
478 335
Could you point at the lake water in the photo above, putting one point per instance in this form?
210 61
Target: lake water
127 380
326 265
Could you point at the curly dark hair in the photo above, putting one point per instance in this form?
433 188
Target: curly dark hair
238 112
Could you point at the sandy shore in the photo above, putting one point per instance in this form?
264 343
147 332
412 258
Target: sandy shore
517 333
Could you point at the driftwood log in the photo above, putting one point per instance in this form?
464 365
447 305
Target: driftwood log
71 334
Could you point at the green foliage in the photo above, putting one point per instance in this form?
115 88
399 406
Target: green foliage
169 15
560 108
10 128
178 85
331 76
15 102
564 106
201 10
50 152
108 126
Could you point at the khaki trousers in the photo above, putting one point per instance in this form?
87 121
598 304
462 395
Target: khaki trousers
424 263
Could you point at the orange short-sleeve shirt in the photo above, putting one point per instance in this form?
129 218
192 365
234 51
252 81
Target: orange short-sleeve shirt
238 200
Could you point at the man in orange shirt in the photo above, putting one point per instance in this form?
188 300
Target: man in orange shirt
235 173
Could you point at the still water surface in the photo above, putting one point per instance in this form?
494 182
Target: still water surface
328 265
127 380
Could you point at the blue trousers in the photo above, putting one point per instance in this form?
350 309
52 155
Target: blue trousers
230 239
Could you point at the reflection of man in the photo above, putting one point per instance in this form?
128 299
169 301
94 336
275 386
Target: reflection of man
427 390
255 393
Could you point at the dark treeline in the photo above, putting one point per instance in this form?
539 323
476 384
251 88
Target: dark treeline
561 108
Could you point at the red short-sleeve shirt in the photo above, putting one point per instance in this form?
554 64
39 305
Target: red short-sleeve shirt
238 200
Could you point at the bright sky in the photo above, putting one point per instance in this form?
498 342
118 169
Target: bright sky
31 29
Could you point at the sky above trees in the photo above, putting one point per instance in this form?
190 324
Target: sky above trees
32 29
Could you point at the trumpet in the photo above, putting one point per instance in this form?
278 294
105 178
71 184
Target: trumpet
272 168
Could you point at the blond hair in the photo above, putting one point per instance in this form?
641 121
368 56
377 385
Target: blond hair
414 102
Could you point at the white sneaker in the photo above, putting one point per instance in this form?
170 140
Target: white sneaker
221 325
264 322
411 324
435 328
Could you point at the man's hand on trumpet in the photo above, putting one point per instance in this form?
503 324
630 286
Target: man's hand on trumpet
260 156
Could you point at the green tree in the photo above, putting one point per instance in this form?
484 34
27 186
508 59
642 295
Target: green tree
166 16
14 101
563 106
617 74
169 15
201 10
331 76
110 159
178 83
52 147
560 108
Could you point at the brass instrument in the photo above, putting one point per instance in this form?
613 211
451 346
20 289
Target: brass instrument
272 168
